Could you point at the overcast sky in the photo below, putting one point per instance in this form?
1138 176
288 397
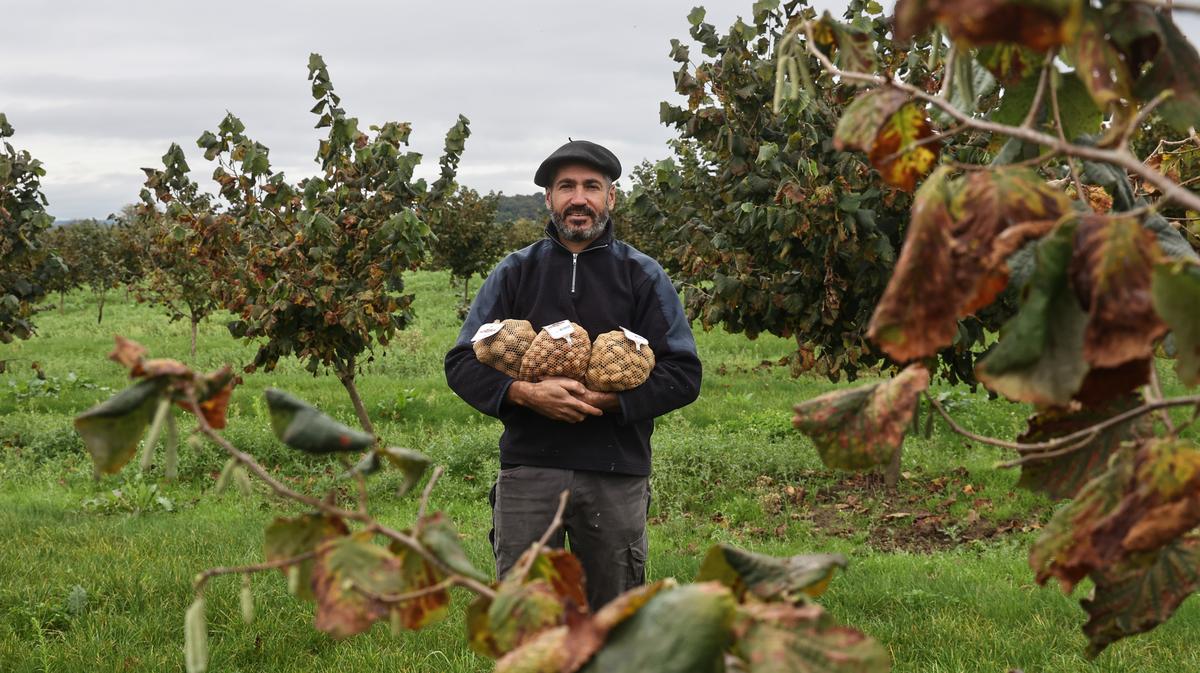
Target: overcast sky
97 90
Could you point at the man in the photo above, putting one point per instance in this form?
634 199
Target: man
558 434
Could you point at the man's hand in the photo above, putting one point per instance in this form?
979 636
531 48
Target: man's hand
606 402
559 398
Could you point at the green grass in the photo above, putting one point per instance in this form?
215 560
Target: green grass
722 470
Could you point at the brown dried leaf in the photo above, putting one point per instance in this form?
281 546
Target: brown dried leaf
862 427
1111 270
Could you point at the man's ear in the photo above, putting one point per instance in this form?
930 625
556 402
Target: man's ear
548 205
612 196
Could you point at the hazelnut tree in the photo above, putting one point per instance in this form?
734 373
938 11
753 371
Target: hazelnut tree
27 268
313 269
1062 213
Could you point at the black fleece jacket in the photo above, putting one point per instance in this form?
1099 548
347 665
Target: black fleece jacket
607 286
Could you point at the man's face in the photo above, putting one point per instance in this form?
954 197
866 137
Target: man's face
579 200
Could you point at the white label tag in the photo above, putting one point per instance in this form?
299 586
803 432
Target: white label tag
563 329
487 330
636 338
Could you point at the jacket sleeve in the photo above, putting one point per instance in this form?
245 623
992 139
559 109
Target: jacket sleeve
481 386
675 380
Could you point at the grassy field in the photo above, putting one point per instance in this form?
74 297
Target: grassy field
93 580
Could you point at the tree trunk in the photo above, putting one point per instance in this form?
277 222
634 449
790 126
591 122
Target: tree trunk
466 289
61 300
195 322
100 314
345 374
892 475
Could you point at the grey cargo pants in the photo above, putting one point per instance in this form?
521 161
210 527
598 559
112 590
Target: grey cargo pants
604 522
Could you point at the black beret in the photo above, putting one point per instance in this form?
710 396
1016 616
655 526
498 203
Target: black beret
578 151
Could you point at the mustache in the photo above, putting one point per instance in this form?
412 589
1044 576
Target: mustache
580 210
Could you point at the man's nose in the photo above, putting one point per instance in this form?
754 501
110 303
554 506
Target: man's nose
577 196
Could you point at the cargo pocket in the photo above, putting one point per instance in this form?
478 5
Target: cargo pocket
635 563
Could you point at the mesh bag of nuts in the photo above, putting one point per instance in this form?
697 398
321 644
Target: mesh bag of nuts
560 349
502 344
621 360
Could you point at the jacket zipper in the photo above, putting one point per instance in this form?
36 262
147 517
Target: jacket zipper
575 259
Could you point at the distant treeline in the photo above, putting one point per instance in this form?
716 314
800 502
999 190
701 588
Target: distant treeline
518 206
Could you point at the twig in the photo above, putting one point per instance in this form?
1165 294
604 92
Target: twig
1035 457
1059 442
1041 92
947 71
536 548
437 472
203 577
328 508
1120 158
411 595
1062 135
1129 130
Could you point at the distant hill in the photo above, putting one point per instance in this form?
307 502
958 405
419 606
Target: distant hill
517 206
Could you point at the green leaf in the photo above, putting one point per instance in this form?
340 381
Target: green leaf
520 610
682 630
767 577
1139 594
287 538
862 427
438 534
1062 476
568 647
1039 357
855 48
303 427
412 464
111 430
1176 292
783 638
695 16
345 568
1079 114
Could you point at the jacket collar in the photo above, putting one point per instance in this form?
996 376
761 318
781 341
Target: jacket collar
601 241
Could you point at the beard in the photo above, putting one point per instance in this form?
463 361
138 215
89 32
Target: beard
575 235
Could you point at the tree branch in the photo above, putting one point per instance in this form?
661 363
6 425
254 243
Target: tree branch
203 577
437 472
1041 92
333 510
411 595
1123 159
523 570
1049 448
1062 135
